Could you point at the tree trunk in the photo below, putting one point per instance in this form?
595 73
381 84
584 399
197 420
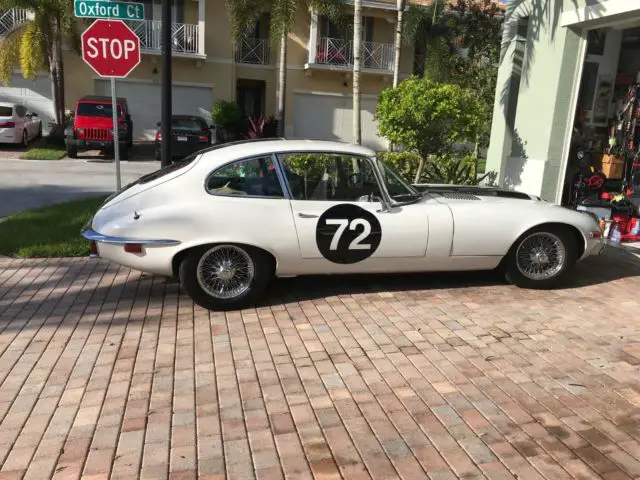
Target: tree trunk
56 71
398 42
423 162
282 83
357 48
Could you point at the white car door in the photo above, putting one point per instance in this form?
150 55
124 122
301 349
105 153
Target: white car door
21 121
340 218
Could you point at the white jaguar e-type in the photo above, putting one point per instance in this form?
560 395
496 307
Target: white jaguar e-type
230 218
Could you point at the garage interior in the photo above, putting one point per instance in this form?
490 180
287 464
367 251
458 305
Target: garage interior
603 168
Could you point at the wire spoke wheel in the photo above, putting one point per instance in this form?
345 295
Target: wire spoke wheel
225 272
541 256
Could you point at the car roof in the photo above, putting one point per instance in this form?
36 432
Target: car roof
8 104
249 148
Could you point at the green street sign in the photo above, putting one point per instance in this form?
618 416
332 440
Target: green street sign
107 9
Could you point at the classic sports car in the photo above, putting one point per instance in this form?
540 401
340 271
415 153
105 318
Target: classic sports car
230 218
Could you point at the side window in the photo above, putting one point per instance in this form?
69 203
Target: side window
255 177
330 177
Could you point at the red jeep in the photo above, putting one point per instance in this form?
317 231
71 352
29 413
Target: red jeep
93 127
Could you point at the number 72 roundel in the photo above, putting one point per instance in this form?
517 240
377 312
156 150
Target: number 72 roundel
348 233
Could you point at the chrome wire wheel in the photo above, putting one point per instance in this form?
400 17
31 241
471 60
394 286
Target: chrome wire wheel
225 272
541 256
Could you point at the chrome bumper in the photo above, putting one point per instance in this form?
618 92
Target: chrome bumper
94 236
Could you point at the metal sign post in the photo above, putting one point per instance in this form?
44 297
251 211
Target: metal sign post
116 142
112 49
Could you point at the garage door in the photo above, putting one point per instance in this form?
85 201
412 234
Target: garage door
144 103
33 94
329 117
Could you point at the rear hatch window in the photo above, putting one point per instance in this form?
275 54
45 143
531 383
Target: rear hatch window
6 111
150 180
96 110
187 124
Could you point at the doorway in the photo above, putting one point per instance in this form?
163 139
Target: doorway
250 97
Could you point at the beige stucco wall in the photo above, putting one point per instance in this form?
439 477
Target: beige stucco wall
220 70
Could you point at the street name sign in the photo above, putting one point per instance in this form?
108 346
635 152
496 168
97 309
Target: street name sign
107 9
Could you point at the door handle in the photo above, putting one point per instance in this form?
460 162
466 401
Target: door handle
307 215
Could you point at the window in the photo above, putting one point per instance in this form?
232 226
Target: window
188 124
330 177
255 177
96 110
6 111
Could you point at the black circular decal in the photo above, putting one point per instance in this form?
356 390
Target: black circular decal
347 233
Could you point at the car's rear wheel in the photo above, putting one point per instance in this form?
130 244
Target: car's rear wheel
124 153
542 258
224 277
25 139
72 152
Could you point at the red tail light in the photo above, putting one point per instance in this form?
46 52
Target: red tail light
159 136
203 139
7 125
133 248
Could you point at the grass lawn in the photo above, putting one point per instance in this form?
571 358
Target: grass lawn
52 231
55 153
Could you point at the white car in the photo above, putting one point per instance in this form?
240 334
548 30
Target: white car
18 125
230 218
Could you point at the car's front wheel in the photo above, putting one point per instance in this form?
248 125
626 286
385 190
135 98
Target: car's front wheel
225 277
542 258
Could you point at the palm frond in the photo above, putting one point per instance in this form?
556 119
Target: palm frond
9 55
32 50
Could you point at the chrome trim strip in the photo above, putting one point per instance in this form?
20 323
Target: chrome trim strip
92 235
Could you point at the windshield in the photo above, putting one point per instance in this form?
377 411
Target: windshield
96 110
399 190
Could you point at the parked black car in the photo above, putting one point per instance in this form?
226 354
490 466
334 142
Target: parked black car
189 133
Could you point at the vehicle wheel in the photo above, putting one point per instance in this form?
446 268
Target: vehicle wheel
124 153
157 155
225 277
542 258
25 139
72 152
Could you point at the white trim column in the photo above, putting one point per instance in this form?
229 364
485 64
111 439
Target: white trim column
201 22
313 36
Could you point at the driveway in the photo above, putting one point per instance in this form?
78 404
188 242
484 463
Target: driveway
28 184
107 373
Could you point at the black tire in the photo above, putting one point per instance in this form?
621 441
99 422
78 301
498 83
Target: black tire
157 155
552 233
263 270
72 152
124 153
25 139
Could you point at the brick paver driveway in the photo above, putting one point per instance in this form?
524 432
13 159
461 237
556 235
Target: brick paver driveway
108 373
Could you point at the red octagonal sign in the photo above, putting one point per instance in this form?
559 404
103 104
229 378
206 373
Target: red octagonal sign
111 48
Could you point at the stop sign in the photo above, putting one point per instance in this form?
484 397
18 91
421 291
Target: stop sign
111 48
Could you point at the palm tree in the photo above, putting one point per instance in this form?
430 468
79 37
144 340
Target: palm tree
397 44
245 13
37 44
357 49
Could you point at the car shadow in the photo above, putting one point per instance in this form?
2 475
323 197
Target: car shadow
614 264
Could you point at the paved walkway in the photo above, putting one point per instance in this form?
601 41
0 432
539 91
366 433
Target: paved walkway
106 373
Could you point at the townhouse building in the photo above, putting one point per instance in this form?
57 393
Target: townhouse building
208 66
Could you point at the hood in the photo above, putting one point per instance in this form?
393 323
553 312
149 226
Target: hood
92 122
472 192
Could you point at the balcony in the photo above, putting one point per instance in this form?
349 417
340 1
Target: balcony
252 51
12 19
184 38
336 53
